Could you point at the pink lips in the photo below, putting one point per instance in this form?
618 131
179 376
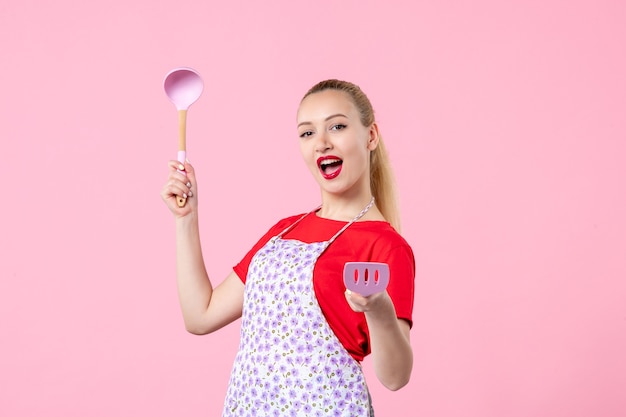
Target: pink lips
329 166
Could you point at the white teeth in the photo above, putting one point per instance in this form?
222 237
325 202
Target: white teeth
329 161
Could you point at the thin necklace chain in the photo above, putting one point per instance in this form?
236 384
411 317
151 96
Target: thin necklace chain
361 214
365 210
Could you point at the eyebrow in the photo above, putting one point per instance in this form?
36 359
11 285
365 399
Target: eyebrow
326 119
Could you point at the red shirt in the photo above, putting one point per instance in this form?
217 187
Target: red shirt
363 241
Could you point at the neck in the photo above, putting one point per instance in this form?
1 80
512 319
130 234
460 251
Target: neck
344 209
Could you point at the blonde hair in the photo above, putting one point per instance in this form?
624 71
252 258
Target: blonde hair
381 175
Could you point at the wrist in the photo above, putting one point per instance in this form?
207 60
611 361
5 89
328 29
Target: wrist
187 222
384 312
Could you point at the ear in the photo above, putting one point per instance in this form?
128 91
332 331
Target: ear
373 137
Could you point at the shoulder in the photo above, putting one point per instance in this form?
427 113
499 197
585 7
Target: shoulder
383 243
380 234
375 241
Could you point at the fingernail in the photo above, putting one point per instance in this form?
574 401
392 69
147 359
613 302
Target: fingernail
348 292
190 193
188 184
184 195
181 167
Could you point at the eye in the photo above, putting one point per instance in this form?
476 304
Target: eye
306 134
338 126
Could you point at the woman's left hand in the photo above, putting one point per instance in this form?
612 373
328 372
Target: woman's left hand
373 303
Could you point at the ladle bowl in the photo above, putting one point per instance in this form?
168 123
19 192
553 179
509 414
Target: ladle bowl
183 87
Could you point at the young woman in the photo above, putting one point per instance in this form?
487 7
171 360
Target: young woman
303 335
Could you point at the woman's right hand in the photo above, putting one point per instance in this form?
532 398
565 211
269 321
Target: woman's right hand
180 185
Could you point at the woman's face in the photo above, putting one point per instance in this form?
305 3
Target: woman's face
334 143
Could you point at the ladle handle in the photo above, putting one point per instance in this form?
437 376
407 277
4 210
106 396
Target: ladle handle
182 145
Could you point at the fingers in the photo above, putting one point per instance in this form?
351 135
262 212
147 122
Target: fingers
180 183
182 166
357 301
362 304
177 186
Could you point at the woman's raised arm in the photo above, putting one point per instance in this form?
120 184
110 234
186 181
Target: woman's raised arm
204 308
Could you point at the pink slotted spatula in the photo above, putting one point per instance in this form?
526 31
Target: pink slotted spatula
366 278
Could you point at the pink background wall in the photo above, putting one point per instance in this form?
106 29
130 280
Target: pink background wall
506 124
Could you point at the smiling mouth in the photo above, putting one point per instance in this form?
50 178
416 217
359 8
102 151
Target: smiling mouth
330 167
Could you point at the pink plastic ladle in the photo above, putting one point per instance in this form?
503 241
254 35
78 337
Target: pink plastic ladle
183 86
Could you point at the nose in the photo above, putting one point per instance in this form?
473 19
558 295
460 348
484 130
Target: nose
322 143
